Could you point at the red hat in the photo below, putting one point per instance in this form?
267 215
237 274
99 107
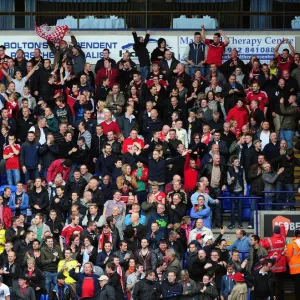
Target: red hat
200 236
239 277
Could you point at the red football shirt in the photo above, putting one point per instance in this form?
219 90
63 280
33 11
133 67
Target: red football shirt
12 163
261 97
215 52
284 65
68 231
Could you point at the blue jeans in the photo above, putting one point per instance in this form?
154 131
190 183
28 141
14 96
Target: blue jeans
284 197
31 174
287 135
44 172
144 72
13 176
269 200
50 280
239 204
252 209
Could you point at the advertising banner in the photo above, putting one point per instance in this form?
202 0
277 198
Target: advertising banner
93 43
268 220
261 46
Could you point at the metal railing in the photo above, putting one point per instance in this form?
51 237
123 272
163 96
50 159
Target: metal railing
262 204
147 14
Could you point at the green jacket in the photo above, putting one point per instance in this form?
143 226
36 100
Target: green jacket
289 119
52 124
261 253
47 258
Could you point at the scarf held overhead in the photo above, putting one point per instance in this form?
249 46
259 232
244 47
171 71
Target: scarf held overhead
52 34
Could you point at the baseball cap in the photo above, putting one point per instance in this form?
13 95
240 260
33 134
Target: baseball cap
103 277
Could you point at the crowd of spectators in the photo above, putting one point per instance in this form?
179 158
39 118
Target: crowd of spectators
116 176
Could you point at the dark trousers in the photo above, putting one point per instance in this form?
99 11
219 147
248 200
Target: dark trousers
236 203
216 210
296 278
280 285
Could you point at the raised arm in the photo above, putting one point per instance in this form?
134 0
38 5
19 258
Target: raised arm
33 70
146 40
5 74
203 37
276 53
73 38
226 39
136 40
290 46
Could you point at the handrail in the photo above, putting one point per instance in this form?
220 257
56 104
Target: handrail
154 12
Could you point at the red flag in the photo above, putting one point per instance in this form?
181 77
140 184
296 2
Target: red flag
52 34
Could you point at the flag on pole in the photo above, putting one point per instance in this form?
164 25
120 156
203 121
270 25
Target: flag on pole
52 34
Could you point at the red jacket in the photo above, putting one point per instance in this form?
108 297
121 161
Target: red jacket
112 75
129 142
276 243
112 126
7 215
240 114
56 168
190 174
261 97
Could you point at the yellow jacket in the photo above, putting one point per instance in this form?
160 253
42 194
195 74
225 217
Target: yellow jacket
2 240
70 265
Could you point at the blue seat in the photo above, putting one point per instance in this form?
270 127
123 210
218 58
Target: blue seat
13 188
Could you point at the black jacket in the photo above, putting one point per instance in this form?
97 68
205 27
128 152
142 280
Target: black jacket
246 158
274 101
48 154
97 145
141 50
56 228
75 186
254 280
41 199
255 180
115 282
169 70
36 279
64 149
20 248
146 290
23 127
106 293
198 269
287 176
230 100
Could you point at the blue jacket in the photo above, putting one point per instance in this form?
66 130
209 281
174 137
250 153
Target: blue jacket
30 155
204 214
79 277
242 245
142 220
226 286
171 291
23 206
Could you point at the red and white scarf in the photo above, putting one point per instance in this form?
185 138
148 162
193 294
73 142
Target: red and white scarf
52 34
101 241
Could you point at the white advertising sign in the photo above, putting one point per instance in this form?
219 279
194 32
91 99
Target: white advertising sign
92 45
261 46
